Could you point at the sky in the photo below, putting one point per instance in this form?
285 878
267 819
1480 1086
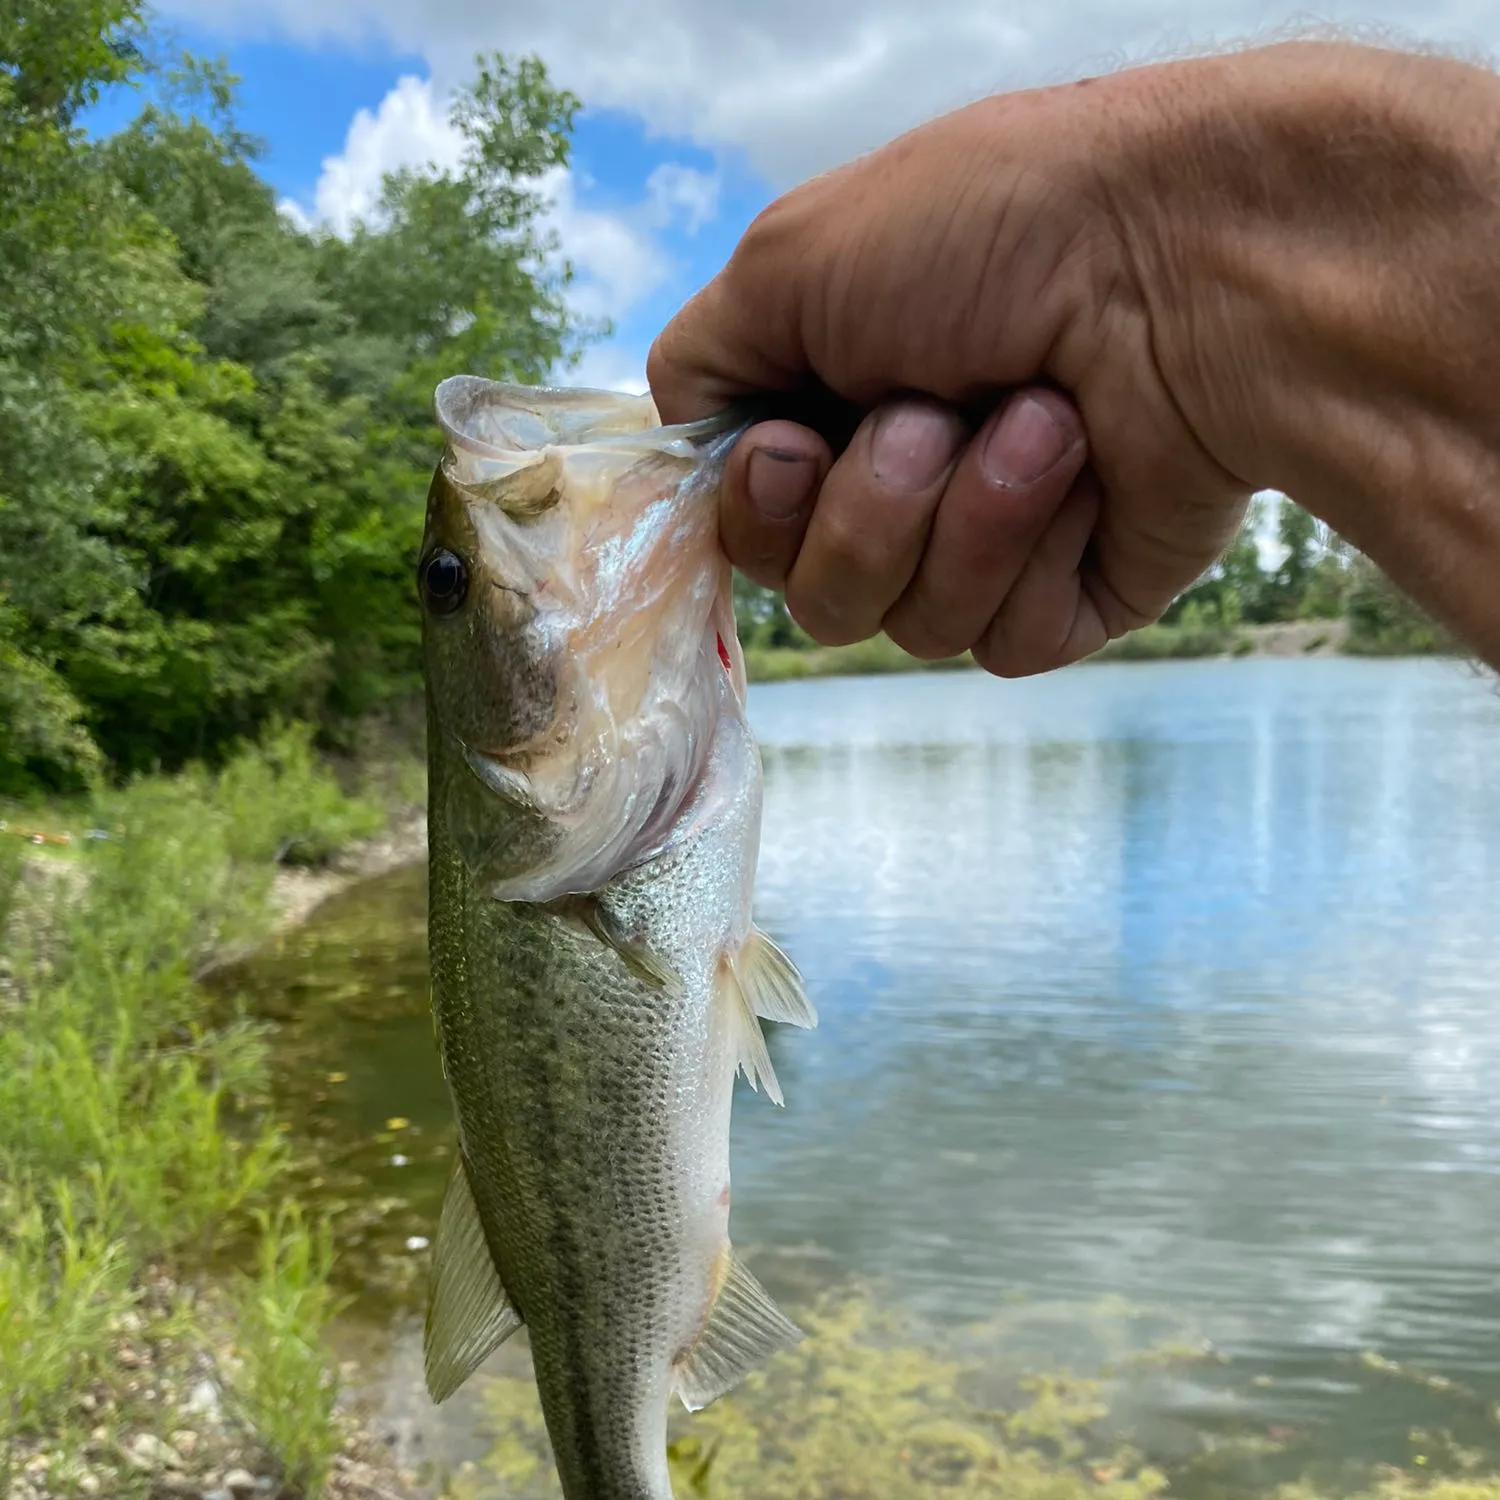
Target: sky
697 112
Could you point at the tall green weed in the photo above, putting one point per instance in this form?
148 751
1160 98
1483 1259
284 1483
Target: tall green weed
63 1286
283 806
141 1107
285 1386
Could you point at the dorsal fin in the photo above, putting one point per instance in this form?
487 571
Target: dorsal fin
744 1328
468 1314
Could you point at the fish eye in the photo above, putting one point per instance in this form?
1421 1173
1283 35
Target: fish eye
444 582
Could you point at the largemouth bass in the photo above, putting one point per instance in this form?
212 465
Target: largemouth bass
594 819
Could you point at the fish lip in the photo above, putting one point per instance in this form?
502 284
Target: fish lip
507 783
496 772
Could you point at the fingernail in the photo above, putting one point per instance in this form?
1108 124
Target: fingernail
780 483
1024 444
911 446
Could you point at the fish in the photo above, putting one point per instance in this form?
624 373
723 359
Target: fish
598 982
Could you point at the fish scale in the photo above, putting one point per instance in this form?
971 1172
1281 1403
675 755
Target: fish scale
594 817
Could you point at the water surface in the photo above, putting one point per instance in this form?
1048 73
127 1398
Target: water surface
1154 998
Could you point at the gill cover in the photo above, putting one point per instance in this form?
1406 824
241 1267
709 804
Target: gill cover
581 681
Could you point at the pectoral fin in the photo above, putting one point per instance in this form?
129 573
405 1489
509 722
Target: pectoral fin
760 981
771 982
744 1328
468 1314
749 1039
637 957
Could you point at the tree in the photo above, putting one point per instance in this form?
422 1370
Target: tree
211 508
74 253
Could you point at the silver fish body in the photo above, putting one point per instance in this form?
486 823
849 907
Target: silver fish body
595 800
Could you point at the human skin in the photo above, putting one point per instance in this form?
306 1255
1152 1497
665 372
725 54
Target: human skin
1080 326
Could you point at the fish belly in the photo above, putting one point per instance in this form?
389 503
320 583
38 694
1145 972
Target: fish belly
594 1114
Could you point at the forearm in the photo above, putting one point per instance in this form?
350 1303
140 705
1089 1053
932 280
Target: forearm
1324 239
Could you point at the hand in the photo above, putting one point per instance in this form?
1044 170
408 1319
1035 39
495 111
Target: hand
947 541
1232 274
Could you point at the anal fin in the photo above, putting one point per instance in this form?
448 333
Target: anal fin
744 1328
468 1314
771 983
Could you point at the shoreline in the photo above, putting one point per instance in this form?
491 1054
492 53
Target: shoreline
298 891
1292 640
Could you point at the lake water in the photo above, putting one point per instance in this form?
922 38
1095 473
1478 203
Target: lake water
1156 1000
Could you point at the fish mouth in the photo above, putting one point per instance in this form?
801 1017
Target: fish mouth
504 780
501 772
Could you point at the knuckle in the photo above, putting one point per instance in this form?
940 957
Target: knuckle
919 635
854 540
830 622
998 653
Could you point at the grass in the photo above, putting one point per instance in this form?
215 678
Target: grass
285 1385
134 1130
63 1285
312 817
1172 642
876 656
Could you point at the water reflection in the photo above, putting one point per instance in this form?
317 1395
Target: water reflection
1172 983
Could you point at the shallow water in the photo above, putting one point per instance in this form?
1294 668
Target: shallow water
1157 1001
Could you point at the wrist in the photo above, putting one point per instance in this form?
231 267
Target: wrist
1319 248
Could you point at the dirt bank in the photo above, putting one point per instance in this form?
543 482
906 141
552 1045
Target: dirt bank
1296 638
297 893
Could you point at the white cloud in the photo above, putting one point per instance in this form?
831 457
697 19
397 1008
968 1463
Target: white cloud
609 367
674 190
617 255
618 261
294 212
409 129
799 86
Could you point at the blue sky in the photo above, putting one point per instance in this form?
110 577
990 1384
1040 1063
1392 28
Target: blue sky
300 100
698 111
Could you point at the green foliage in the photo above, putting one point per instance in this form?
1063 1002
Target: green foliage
45 739
1384 622
12 860
762 619
285 1385
218 426
283 804
110 1068
63 1285
133 1123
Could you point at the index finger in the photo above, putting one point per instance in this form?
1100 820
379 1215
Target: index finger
700 362
740 335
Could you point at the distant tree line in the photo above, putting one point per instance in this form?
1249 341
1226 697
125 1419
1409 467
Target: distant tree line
215 427
1317 576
